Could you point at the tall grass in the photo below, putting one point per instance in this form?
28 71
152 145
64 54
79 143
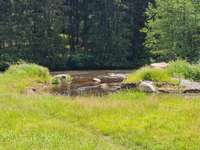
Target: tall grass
185 70
176 69
21 76
152 74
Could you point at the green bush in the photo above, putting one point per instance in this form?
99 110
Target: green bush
180 68
18 78
152 74
176 69
183 69
28 70
62 79
196 72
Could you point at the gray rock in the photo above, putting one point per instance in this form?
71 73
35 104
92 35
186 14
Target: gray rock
161 65
190 86
111 79
96 80
147 86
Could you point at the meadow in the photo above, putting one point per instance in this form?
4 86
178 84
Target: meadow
125 120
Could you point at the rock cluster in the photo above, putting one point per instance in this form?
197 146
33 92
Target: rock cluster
114 82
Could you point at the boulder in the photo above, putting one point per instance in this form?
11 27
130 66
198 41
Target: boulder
111 79
190 86
96 80
164 87
147 86
161 65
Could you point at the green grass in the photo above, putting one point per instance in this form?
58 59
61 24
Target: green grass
185 70
122 121
19 77
152 74
176 69
132 121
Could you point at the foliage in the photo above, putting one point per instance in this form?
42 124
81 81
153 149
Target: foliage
175 69
151 74
73 34
185 70
62 79
173 30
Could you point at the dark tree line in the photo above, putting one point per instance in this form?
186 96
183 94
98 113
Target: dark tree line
73 34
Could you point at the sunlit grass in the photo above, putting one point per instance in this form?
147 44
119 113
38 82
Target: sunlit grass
132 121
176 69
19 77
152 74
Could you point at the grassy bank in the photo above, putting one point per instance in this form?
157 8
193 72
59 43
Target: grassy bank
121 121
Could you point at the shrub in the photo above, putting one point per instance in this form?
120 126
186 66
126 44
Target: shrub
152 74
62 79
20 77
28 70
180 68
196 72
183 69
176 69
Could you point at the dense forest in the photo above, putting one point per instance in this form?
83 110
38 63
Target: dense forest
97 34
73 34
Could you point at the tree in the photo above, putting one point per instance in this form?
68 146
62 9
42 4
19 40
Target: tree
73 34
173 31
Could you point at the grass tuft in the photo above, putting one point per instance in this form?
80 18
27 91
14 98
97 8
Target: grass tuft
151 74
176 69
21 76
181 68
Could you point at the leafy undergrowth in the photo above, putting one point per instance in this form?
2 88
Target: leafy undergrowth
117 122
19 77
176 69
152 74
185 70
